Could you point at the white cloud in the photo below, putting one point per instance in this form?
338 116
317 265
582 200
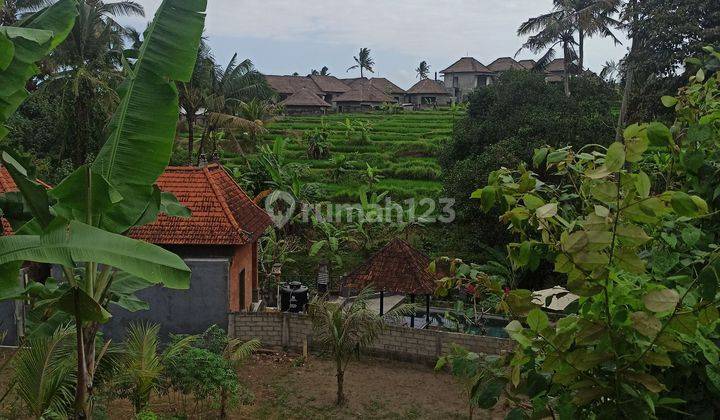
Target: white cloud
437 30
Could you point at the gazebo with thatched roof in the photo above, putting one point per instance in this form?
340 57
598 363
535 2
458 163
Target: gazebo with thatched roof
396 268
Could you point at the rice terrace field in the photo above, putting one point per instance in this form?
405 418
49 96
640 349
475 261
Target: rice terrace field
402 147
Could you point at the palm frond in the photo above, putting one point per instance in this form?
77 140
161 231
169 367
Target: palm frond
237 351
543 61
44 373
123 8
536 24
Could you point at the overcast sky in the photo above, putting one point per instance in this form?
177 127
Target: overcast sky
284 36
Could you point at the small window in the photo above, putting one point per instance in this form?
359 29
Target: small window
456 81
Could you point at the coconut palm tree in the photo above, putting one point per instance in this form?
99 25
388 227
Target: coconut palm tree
587 17
423 70
364 62
12 10
344 330
550 31
229 88
193 94
590 18
325 71
84 72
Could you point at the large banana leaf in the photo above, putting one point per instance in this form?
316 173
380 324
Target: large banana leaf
68 243
35 195
21 47
142 130
83 195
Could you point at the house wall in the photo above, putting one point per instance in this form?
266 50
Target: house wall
9 322
356 106
466 83
441 100
242 268
290 331
189 311
305 110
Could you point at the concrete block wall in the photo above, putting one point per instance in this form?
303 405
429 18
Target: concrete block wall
290 331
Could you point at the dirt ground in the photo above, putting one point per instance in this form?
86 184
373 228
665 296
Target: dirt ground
288 387
375 389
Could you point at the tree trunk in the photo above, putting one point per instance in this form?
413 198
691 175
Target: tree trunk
581 48
81 390
203 140
340 394
223 404
361 71
191 134
629 84
82 128
566 76
629 81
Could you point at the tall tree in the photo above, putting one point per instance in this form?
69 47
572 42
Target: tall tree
363 62
85 71
325 71
13 10
229 88
194 93
422 70
663 34
590 18
78 225
550 31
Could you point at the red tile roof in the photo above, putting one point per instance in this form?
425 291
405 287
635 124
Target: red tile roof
398 268
222 214
6 185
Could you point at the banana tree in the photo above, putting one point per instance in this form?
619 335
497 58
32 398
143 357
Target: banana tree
79 224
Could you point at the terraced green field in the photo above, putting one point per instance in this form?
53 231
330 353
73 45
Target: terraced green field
403 147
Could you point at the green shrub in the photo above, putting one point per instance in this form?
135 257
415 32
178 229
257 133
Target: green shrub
202 375
146 415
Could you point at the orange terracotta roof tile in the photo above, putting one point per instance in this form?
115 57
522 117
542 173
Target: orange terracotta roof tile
6 185
222 214
398 268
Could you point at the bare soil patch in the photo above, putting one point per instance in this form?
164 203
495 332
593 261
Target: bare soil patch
286 386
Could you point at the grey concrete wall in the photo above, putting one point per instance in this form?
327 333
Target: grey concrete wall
440 100
182 311
8 323
466 83
290 331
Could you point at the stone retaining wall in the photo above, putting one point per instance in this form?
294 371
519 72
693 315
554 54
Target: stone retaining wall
290 331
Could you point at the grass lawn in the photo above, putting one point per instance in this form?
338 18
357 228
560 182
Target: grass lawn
402 146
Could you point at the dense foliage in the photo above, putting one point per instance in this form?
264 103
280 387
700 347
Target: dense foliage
667 33
623 224
506 121
79 224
